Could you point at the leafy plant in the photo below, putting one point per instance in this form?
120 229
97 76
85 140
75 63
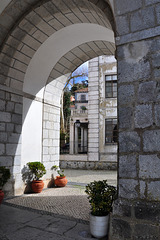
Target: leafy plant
59 171
83 108
37 169
101 196
4 175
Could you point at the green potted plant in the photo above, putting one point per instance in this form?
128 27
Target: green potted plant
38 170
59 181
101 196
4 176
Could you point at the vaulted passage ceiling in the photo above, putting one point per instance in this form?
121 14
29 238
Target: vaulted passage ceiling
26 26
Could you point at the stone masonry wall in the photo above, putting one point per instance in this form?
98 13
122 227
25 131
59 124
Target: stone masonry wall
10 136
93 110
107 109
51 126
136 213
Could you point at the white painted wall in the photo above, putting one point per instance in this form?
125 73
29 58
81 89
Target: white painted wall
31 131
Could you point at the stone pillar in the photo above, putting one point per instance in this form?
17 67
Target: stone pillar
93 110
136 213
82 139
71 140
76 140
85 139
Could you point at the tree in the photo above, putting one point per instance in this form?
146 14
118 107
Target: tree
80 75
77 80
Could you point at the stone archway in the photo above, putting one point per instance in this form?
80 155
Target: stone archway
137 40
36 58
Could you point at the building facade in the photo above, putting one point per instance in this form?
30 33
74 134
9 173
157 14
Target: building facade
105 133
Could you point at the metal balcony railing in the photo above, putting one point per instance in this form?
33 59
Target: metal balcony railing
78 148
79 112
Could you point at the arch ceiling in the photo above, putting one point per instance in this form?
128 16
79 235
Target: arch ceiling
36 23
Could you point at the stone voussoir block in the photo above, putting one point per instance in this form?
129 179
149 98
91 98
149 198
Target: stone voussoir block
151 141
125 117
143 116
122 208
142 19
6 161
128 188
126 94
149 211
146 92
157 115
121 229
127 166
5 117
149 166
125 6
153 192
129 142
145 231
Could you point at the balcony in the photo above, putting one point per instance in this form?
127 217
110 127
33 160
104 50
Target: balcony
79 112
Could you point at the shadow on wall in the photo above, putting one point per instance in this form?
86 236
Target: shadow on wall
27 177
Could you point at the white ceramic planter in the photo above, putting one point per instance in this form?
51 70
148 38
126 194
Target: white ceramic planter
99 226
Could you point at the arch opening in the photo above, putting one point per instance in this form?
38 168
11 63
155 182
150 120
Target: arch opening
44 46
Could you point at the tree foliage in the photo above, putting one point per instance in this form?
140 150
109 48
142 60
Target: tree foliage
37 169
101 196
4 175
77 80
78 86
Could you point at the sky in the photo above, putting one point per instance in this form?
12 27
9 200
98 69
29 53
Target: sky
79 70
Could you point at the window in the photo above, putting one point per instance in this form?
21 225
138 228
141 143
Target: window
111 86
83 97
111 133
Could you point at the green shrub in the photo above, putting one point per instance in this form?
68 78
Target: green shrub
4 176
37 169
60 172
101 196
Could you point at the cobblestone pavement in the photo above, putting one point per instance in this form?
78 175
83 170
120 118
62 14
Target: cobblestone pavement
55 213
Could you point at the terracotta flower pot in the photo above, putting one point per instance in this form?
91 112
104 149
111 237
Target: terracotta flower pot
1 196
37 186
60 181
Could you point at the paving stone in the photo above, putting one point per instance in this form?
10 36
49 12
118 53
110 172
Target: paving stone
79 232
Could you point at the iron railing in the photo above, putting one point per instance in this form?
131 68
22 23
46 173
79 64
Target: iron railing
78 148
